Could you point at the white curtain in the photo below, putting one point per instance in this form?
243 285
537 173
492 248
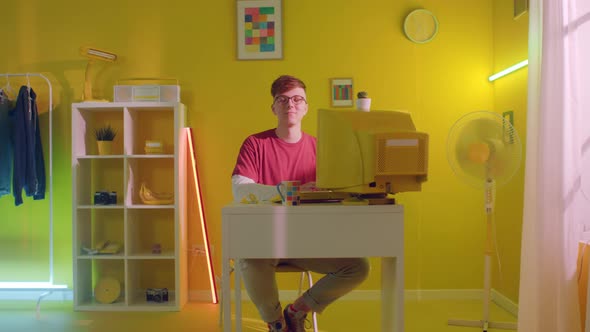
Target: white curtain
558 148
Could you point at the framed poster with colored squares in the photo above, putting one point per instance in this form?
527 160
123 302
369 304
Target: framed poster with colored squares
341 92
259 29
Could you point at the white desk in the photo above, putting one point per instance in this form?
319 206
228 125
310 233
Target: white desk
308 231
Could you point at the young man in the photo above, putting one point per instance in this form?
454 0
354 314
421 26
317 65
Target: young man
265 159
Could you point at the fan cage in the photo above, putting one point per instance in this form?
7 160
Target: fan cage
484 126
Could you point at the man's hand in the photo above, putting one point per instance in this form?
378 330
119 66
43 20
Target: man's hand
309 186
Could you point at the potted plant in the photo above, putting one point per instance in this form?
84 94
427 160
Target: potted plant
363 102
104 138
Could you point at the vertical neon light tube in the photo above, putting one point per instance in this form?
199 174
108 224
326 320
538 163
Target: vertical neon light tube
202 216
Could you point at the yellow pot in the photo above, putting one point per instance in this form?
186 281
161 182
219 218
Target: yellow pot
104 147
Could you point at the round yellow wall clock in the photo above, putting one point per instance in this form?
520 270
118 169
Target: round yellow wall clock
420 26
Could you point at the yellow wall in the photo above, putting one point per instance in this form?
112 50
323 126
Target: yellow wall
195 41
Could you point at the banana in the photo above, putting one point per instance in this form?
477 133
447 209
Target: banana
150 197
155 195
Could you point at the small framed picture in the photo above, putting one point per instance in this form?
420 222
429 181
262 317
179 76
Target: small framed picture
520 7
259 29
341 92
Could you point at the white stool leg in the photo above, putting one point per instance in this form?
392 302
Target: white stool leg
313 314
301 279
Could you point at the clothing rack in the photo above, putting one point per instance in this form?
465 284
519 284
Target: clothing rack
48 286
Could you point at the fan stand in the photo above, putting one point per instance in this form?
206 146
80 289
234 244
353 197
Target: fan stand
485 324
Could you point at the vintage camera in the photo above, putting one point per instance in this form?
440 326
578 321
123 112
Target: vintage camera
113 198
156 295
101 198
156 248
105 198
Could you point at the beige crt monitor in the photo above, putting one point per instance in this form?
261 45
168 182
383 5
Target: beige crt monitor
370 152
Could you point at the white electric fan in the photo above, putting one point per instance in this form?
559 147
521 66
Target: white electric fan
484 150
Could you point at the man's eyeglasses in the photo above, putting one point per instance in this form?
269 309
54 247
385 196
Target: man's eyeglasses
285 100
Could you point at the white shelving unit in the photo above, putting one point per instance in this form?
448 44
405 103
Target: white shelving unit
137 227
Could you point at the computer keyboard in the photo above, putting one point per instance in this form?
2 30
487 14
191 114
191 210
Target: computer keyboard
322 196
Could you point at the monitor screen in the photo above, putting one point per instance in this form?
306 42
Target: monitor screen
370 152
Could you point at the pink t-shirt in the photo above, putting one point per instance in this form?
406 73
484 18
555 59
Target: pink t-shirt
267 159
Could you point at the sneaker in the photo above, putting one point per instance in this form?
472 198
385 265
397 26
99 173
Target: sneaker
277 326
295 319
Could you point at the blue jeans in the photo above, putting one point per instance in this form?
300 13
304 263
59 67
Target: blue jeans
342 275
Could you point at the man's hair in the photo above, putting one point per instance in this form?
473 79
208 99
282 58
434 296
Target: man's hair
285 83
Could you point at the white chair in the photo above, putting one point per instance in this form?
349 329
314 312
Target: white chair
280 268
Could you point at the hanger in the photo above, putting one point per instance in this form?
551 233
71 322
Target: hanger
8 91
29 93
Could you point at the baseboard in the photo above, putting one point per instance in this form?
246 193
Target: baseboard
443 294
200 295
35 295
409 295
418 294
504 302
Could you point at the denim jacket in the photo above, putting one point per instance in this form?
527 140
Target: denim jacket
5 145
29 165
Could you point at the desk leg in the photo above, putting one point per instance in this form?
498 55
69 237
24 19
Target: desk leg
392 295
226 295
238 291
